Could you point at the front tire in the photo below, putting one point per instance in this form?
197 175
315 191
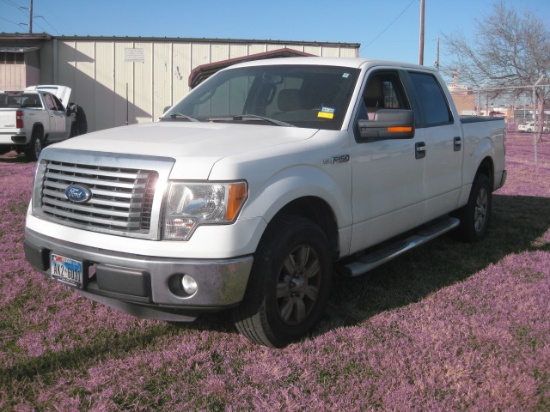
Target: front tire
289 285
74 130
475 216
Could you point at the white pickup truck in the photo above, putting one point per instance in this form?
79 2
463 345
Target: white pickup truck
258 187
34 117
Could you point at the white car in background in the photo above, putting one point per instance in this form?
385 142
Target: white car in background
532 127
526 127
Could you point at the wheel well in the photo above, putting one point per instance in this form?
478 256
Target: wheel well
38 127
486 168
319 212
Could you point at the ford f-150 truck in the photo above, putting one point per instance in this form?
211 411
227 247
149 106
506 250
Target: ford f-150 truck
34 117
258 187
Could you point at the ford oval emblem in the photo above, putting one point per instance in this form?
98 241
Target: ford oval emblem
78 193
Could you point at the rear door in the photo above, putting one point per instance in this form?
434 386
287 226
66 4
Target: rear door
441 134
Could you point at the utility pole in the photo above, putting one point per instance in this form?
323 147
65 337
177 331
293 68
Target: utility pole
30 17
537 120
421 46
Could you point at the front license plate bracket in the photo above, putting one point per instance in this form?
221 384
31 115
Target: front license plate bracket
68 271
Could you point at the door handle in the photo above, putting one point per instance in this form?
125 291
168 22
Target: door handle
420 150
457 143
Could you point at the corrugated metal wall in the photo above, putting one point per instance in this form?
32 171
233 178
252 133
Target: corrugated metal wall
18 70
118 81
12 76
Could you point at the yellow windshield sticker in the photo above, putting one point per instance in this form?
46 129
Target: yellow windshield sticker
326 113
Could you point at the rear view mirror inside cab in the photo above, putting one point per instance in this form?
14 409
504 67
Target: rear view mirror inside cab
388 124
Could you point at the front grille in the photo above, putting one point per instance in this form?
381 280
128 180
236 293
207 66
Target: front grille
121 201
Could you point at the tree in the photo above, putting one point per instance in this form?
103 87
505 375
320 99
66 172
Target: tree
508 53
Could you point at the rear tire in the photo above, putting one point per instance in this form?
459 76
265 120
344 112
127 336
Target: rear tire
475 216
289 285
34 148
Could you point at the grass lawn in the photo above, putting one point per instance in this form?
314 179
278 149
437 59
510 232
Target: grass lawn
448 326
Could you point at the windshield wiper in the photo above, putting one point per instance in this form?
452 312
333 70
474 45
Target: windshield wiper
180 116
247 117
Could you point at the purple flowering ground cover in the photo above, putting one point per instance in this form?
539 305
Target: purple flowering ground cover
449 326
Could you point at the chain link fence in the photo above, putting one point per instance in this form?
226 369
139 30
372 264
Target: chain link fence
519 106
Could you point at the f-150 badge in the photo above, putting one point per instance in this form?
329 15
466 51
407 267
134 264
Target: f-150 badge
336 159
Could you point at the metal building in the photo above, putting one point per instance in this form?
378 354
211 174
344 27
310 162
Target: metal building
125 80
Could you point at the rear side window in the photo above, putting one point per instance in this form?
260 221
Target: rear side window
434 106
19 100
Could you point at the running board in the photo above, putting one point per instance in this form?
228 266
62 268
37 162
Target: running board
390 251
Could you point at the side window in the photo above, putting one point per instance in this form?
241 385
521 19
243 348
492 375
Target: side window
432 100
58 104
383 91
31 100
50 103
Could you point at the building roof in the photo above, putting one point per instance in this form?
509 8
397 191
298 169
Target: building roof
203 72
46 36
210 40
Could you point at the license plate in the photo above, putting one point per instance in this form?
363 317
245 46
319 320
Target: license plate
66 270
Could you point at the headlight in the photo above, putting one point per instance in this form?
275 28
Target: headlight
192 204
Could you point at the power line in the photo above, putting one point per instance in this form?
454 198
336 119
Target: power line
19 8
11 3
40 17
28 11
45 21
389 25
9 21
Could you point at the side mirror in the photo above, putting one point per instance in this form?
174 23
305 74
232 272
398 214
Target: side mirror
388 124
71 108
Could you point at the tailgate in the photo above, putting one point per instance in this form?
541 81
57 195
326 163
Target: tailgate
7 119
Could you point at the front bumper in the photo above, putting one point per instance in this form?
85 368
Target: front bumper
147 286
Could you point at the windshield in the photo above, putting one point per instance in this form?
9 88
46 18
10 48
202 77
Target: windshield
283 95
19 100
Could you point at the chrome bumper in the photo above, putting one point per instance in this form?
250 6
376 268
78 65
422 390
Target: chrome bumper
148 287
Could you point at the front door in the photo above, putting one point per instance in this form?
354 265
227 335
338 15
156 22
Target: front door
59 120
387 182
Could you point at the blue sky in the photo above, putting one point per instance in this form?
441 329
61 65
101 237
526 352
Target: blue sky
386 29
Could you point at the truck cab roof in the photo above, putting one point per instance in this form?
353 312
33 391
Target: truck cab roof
332 61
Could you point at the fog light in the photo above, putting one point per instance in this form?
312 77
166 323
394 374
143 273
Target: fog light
189 284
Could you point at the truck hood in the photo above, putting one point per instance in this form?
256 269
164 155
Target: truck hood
63 93
196 147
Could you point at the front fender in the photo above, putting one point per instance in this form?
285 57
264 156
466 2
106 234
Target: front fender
317 167
298 182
